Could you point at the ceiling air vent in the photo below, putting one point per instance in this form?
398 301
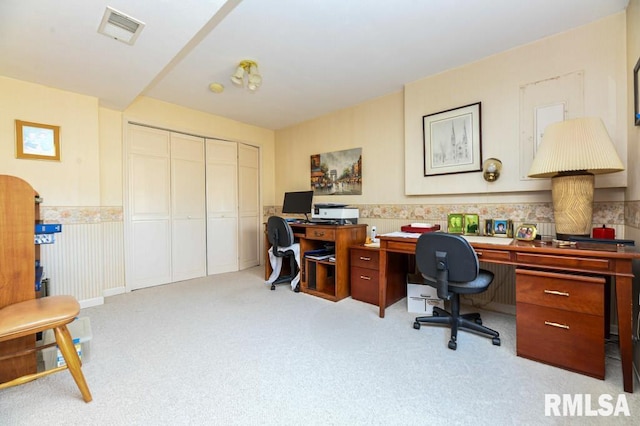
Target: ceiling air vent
116 24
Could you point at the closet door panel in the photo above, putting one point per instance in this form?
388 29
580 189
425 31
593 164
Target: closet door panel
222 206
188 225
151 252
249 205
148 208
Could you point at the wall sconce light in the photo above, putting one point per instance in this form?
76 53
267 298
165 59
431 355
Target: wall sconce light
250 70
491 169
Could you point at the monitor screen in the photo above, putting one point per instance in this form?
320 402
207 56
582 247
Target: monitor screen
300 202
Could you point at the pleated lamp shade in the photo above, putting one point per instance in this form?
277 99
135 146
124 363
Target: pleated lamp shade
580 144
571 153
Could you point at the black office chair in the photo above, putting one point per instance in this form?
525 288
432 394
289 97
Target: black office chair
280 235
448 263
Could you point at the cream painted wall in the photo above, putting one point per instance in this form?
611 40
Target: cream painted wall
75 179
90 170
110 157
382 126
633 53
597 49
375 126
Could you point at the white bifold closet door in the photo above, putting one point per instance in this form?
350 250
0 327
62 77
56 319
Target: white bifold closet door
222 206
188 223
233 206
165 230
249 205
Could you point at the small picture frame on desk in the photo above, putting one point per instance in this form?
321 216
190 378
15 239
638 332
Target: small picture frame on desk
471 224
526 232
455 223
502 228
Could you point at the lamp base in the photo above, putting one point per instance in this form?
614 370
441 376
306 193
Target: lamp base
572 195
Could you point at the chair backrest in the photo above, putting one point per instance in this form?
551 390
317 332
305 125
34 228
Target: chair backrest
279 232
445 258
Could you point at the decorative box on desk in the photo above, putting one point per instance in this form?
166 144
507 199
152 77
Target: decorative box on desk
419 228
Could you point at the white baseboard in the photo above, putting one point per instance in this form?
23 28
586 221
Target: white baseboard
114 291
87 303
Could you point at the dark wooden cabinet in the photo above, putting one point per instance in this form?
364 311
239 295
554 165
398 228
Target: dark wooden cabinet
365 266
560 320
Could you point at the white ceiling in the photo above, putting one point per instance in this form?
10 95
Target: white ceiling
315 56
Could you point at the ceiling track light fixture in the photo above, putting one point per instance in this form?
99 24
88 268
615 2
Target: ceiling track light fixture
250 70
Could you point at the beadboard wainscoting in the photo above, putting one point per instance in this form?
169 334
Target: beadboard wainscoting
86 260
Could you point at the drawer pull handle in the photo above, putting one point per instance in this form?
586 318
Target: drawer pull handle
365 258
478 253
555 324
362 277
557 293
319 234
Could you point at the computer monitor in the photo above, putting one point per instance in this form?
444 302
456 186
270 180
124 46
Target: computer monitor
298 202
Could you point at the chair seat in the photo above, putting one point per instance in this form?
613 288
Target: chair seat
480 284
31 316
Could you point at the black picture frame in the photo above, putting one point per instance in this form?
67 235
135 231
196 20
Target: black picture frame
636 99
453 141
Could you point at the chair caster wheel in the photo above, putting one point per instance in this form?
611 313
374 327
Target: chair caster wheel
496 341
478 321
273 287
416 325
452 345
297 289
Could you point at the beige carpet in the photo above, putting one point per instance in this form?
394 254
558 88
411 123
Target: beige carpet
225 350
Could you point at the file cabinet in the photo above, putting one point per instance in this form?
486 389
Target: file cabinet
560 320
365 274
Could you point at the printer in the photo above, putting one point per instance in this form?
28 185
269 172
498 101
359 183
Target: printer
339 214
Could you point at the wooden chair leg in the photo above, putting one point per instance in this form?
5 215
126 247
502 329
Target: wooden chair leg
65 343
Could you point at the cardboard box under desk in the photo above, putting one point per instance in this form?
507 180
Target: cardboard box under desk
421 298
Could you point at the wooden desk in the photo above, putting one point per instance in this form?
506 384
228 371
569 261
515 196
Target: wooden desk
606 260
323 278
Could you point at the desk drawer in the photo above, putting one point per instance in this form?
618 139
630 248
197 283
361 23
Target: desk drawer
565 262
322 234
569 340
493 255
562 291
364 285
361 258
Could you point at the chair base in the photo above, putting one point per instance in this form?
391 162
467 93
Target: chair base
456 321
288 278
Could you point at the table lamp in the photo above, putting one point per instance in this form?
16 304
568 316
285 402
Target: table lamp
571 153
